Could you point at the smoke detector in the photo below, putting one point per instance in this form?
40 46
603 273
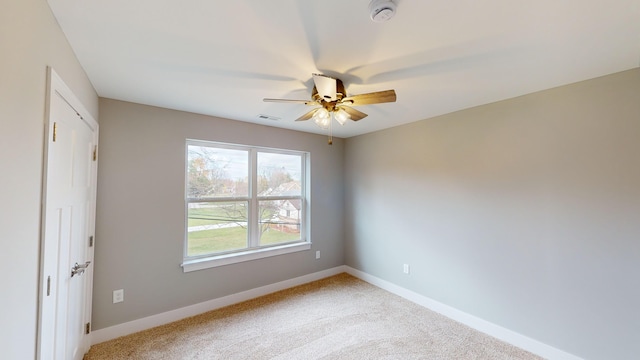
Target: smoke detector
382 10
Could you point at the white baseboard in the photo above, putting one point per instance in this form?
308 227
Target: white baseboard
131 327
506 335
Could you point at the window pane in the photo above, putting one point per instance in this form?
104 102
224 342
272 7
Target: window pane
279 174
216 227
279 221
217 172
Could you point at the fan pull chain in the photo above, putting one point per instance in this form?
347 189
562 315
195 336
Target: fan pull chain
331 130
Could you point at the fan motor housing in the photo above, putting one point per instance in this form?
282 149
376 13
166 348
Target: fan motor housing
340 92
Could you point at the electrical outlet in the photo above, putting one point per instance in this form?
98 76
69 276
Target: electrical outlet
118 296
318 254
406 268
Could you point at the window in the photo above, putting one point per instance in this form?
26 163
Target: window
243 203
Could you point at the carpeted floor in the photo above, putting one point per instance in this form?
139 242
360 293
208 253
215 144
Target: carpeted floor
340 317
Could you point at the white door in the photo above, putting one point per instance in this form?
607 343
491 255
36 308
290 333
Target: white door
69 208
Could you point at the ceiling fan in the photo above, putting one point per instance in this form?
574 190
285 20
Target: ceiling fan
330 95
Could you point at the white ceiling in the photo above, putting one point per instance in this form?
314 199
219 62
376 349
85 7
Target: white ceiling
222 58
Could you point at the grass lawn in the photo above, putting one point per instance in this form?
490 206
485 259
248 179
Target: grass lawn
207 216
226 239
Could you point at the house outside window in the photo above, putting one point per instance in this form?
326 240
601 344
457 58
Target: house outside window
243 203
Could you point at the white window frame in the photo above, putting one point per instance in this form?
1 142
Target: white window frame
254 250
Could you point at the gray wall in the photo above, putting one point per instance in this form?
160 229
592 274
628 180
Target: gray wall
140 214
30 40
524 212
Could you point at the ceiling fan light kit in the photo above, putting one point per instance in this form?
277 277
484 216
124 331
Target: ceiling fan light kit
382 10
341 116
322 118
329 94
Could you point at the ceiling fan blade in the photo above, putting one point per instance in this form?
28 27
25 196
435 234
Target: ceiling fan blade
371 98
326 87
306 102
307 116
355 114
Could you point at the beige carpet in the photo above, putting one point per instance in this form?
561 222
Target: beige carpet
340 317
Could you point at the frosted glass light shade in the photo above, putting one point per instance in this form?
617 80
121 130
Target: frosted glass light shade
322 118
341 116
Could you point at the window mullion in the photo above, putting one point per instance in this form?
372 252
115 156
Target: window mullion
254 228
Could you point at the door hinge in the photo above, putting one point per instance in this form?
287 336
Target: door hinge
90 241
48 285
95 153
55 131
87 328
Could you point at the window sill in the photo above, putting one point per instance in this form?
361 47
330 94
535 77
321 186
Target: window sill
227 259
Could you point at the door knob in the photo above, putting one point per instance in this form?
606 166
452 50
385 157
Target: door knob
78 269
